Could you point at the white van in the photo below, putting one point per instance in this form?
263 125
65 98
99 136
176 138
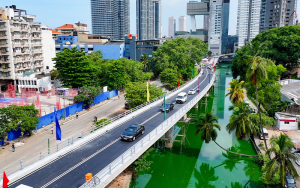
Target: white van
181 97
265 133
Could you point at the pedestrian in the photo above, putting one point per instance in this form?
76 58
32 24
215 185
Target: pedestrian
118 96
13 147
52 129
76 115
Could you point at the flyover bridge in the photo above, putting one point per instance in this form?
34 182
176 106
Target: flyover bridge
102 153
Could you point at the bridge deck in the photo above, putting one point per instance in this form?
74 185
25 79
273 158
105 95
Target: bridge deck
70 170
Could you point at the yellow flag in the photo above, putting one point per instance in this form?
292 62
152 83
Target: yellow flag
148 95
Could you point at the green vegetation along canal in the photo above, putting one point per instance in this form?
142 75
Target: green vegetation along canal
205 165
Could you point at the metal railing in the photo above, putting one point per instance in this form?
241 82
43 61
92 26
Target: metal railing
99 180
15 167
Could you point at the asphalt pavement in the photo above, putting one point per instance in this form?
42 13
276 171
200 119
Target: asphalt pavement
70 170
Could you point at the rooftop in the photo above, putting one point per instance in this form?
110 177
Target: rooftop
55 32
285 115
66 26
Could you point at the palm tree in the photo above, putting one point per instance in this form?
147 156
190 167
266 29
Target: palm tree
280 148
145 61
236 91
257 72
207 125
241 121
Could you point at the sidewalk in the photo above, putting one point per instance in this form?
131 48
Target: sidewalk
69 127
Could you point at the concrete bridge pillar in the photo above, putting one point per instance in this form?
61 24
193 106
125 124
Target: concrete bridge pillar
169 138
183 118
196 106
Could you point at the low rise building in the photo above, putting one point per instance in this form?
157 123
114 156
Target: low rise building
285 121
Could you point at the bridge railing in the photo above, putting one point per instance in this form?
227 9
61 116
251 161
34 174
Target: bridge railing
20 165
129 156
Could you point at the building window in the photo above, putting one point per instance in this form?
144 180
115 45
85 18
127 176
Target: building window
286 122
47 67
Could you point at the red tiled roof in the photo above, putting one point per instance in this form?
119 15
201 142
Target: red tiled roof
55 32
66 26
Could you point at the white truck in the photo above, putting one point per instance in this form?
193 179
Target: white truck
181 97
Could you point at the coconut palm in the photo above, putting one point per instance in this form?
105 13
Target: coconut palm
257 72
145 61
280 149
236 91
207 125
241 121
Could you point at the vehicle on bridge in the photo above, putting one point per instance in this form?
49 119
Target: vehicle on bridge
192 92
169 106
132 132
181 97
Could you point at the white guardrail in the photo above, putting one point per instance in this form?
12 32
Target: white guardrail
56 150
105 176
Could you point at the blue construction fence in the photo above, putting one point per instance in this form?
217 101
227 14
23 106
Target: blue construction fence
70 110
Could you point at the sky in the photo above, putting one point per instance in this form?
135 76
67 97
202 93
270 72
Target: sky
55 13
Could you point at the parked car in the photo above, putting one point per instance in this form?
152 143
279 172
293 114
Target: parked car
192 92
289 181
265 132
169 106
298 160
127 106
132 132
181 97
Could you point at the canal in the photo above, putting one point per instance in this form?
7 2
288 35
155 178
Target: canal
204 165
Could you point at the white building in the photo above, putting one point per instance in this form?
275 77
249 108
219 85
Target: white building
248 20
80 27
215 27
182 23
285 121
29 80
21 47
48 49
172 27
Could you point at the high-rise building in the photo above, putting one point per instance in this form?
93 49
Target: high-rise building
277 14
110 17
182 23
148 19
172 27
248 20
20 45
215 27
225 24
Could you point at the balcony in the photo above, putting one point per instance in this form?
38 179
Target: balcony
36 45
25 37
17 53
3 28
3 77
4 53
2 61
3 37
15 29
38 52
38 59
16 37
5 69
36 30
35 23
17 45
18 60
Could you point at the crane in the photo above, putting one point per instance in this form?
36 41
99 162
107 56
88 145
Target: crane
295 17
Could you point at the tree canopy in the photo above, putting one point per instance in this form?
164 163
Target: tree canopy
73 68
16 117
136 93
179 54
87 95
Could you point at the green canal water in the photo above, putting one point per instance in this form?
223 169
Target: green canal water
204 165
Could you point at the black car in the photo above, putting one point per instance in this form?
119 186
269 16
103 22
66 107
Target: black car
127 106
132 132
289 181
169 107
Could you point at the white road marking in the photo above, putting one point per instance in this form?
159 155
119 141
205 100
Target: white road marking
77 165
150 118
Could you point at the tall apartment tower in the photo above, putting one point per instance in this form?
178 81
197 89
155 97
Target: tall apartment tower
148 19
172 27
110 17
225 25
215 27
248 20
277 14
20 45
182 23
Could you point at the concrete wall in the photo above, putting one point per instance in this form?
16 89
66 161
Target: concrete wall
48 50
